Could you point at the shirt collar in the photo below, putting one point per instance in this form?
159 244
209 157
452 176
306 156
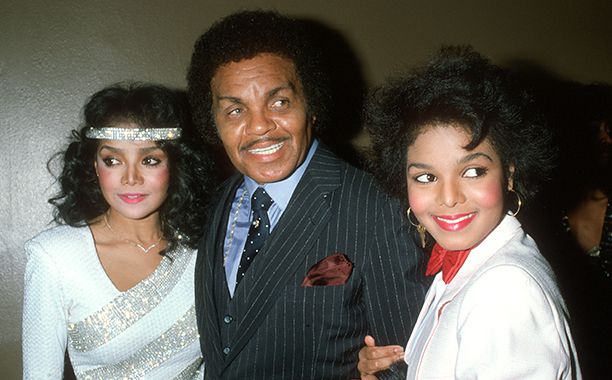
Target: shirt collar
282 191
498 238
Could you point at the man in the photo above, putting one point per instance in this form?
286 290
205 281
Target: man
304 255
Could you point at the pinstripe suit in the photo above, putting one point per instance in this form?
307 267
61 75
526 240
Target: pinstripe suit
280 330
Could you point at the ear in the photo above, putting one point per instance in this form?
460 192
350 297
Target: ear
511 177
96 168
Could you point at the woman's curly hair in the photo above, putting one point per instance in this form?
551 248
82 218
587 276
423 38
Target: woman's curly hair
243 35
459 86
80 198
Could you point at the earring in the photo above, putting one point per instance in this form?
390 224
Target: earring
420 229
518 201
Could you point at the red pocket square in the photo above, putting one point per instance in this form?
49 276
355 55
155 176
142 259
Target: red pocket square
332 270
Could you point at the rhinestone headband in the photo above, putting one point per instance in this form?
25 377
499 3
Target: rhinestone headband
133 134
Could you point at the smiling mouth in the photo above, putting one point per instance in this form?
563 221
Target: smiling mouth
267 150
132 198
455 220
454 223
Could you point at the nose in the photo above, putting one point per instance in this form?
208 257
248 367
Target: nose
131 176
450 194
259 123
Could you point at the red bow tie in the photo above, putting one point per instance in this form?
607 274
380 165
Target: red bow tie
449 261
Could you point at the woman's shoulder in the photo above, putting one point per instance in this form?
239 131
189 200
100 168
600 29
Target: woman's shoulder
522 257
517 271
60 239
183 256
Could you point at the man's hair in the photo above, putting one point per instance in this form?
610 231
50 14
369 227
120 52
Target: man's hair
459 87
244 35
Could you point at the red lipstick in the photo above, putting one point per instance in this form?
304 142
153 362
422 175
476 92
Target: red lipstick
455 222
132 198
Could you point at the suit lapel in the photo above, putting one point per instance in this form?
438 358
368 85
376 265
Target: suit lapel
306 215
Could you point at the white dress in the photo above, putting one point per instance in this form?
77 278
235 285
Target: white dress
501 317
146 332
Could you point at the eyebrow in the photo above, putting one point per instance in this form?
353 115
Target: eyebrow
118 150
463 160
418 165
271 93
473 156
288 86
232 99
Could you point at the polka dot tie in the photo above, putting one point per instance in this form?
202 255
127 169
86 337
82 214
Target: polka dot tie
258 231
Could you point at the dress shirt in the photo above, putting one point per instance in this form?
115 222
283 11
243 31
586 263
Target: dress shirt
240 218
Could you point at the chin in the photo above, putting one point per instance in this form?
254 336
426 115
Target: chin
271 175
456 244
135 214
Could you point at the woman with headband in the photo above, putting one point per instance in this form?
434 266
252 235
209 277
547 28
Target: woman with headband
113 283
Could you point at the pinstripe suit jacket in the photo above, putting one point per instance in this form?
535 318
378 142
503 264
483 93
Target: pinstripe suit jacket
285 331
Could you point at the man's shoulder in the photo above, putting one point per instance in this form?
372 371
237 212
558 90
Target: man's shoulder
354 177
351 179
350 174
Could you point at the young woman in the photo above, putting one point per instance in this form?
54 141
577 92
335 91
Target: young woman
461 140
113 284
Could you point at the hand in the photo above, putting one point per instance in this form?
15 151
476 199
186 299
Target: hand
373 359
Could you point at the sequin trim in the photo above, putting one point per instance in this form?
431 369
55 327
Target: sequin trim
127 308
133 134
183 333
192 372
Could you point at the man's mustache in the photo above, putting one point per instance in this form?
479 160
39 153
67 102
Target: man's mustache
260 140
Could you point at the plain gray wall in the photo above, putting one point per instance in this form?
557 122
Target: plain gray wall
53 54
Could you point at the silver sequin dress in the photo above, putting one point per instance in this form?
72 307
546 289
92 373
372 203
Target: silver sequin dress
146 332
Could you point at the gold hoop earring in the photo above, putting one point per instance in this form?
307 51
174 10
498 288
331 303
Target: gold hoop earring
410 220
518 201
420 229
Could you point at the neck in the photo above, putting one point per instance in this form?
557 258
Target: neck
455 250
140 230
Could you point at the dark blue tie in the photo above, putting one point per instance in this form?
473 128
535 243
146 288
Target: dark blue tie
258 231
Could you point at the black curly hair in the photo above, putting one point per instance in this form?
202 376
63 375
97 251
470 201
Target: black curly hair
243 35
80 198
459 86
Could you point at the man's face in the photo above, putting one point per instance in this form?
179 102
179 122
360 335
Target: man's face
261 115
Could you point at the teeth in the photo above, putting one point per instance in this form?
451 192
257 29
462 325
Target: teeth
454 221
268 150
133 196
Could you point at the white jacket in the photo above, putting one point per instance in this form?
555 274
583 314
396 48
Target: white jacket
501 317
